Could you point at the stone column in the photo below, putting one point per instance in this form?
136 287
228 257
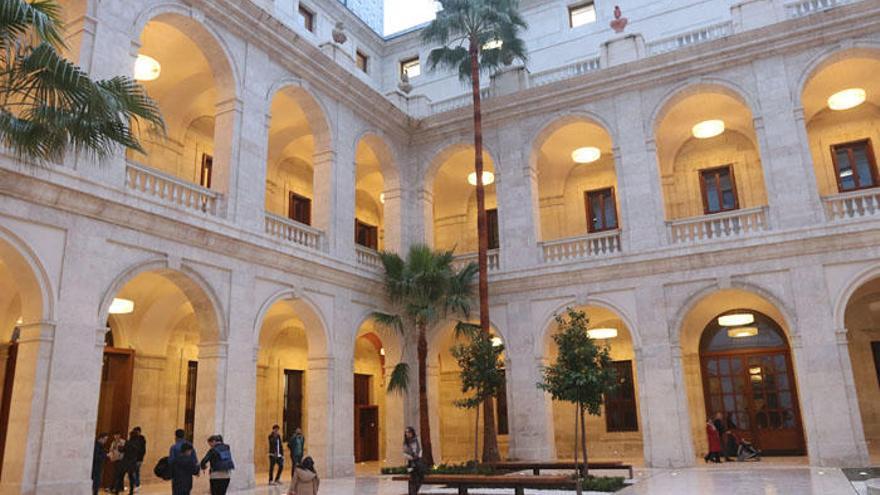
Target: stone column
318 424
250 207
149 400
228 120
530 410
239 409
210 392
433 376
788 169
392 220
425 205
324 198
394 423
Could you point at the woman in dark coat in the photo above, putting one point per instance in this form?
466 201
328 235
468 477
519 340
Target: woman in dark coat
183 468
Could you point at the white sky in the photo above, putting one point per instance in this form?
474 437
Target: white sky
403 14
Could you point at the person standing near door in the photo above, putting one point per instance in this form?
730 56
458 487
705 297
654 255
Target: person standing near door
127 464
297 446
114 455
140 447
183 468
98 458
175 450
219 457
276 455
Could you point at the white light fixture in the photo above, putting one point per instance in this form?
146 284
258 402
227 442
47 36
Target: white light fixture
742 332
736 319
146 68
381 351
602 333
755 370
846 99
121 306
382 198
708 128
588 154
19 321
496 341
488 178
493 44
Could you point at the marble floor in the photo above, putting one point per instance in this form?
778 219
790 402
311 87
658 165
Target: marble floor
733 479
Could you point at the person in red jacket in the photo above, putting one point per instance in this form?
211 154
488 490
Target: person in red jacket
714 454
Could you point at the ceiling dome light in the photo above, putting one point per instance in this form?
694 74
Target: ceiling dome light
587 154
488 178
846 99
736 319
496 342
121 306
708 128
382 198
146 68
602 333
742 332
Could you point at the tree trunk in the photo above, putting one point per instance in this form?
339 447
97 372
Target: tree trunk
577 472
424 418
476 438
584 442
490 438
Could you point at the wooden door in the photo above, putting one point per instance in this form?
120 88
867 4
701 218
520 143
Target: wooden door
8 380
367 433
114 404
293 398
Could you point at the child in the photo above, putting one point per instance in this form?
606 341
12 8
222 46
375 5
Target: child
183 468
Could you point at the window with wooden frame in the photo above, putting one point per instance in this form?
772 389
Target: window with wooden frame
366 235
299 209
411 67
362 61
189 413
292 413
718 187
854 165
206 170
875 350
492 228
581 14
501 406
601 210
620 405
308 18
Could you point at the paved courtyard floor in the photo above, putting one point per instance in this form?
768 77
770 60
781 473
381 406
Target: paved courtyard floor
733 479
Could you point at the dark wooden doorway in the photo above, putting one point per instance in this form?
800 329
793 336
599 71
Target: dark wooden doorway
5 406
293 400
751 381
114 404
366 421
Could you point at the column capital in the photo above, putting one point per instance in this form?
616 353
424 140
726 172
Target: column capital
213 350
323 157
36 332
321 363
229 105
842 336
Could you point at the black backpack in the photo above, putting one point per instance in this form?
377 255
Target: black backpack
223 460
163 469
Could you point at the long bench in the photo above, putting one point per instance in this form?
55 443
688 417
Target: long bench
536 467
518 483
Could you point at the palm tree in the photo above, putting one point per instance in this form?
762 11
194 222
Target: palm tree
48 105
423 289
477 36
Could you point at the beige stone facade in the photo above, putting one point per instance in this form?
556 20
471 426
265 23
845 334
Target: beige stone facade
222 277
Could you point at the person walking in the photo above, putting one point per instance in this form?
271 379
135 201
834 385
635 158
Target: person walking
714 454
183 467
304 480
412 452
219 457
721 426
115 454
297 446
140 445
177 446
276 455
126 465
99 455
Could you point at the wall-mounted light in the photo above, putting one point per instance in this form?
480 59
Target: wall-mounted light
381 351
121 306
736 319
496 341
742 332
146 68
382 198
588 154
602 333
488 178
708 128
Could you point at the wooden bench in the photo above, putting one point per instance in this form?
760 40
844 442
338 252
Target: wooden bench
536 467
464 482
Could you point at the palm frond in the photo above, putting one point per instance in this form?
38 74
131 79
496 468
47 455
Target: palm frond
19 18
388 321
398 381
467 330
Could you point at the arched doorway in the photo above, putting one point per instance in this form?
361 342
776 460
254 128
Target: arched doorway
748 378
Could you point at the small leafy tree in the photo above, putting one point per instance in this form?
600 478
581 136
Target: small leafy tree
423 289
482 372
582 375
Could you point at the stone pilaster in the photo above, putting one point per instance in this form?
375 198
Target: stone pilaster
228 120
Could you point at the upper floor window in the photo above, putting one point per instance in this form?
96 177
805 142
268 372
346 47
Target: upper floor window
854 165
411 67
580 14
620 405
719 189
601 210
362 60
492 224
308 18
300 209
206 170
366 235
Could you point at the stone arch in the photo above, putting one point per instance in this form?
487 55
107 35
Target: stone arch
551 124
688 88
843 298
830 55
441 153
38 301
386 154
313 106
311 316
541 344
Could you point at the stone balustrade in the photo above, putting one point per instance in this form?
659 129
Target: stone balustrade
850 205
493 260
737 223
679 41
293 232
806 7
171 190
457 102
368 258
581 248
564 72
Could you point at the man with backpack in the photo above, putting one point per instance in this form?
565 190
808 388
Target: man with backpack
179 440
220 459
276 455
296 444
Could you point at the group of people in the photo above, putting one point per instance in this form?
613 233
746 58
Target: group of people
725 441
126 456
303 477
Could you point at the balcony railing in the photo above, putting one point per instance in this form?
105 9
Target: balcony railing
493 260
807 7
696 37
850 205
170 190
564 72
293 232
460 101
736 223
580 248
368 258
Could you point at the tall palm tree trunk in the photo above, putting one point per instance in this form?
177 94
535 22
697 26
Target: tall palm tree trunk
490 438
424 419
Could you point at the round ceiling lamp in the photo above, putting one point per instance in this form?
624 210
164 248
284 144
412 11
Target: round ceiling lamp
488 178
146 68
736 319
708 129
602 333
742 332
587 154
121 306
382 198
846 99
